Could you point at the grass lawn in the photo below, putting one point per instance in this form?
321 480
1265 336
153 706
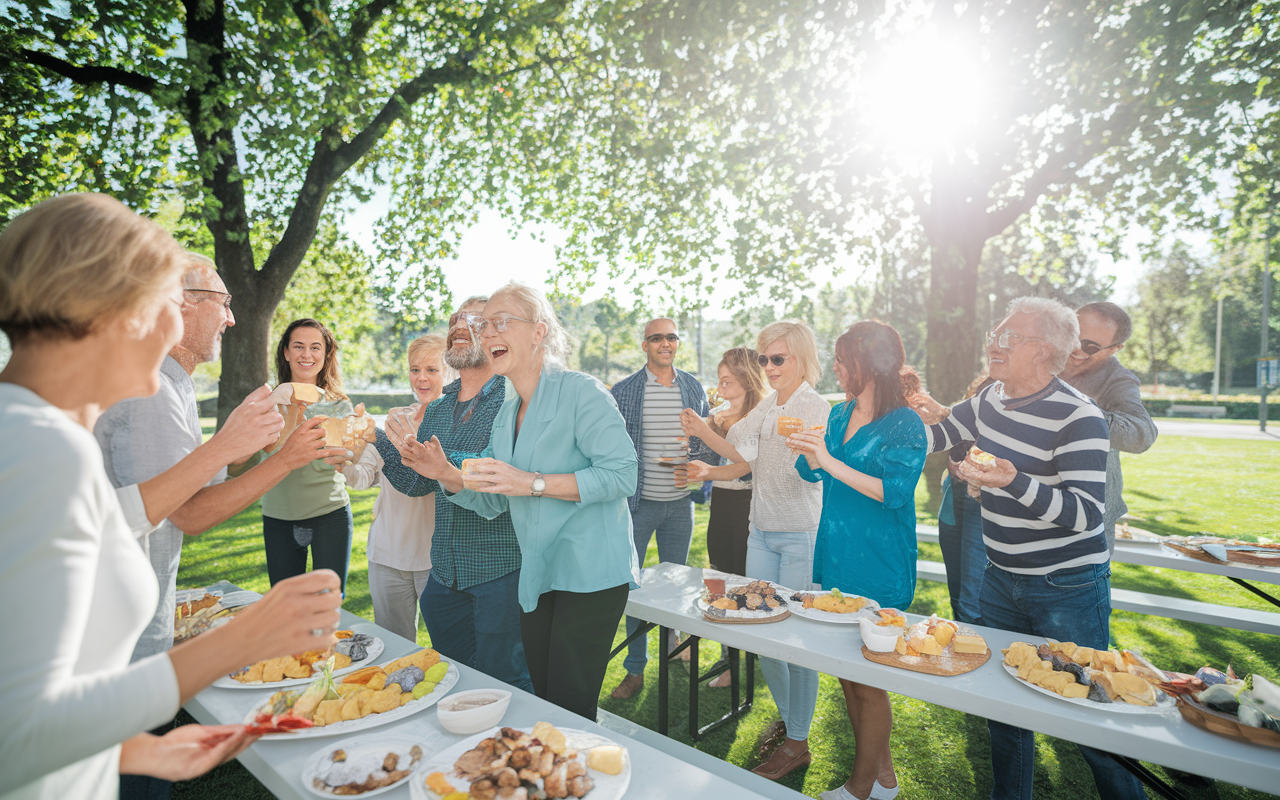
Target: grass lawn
1182 485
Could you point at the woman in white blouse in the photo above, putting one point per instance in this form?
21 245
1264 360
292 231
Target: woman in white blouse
86 282
785 511
400 536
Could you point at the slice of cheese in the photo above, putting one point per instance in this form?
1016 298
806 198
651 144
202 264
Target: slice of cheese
900 646
969 644
926 645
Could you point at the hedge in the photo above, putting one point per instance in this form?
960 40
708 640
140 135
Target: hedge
1235 410
374 402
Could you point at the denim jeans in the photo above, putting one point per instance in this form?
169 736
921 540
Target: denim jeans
786 558
479 626
1070 605
672 522
965 557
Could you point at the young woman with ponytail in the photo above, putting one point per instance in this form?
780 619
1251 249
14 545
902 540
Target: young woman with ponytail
868 463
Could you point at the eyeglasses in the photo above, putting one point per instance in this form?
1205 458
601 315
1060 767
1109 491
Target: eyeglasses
1007 339
479 324
470 320
655 338
1092 348
777 360
226 302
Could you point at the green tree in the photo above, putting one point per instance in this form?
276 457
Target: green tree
1164 319
614 324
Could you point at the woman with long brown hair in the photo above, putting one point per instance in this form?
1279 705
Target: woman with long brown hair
868 462
310 508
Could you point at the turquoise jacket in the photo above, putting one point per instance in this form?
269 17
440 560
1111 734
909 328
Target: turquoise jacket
572 425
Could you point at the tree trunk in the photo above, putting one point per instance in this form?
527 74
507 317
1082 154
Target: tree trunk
246 353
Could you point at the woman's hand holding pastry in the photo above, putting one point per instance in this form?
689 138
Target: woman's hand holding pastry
253 425
298 614
306 444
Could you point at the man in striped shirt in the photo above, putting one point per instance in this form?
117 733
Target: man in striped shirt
651 401
1042 510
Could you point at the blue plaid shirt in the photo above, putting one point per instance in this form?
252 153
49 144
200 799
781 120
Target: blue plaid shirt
466 548
629 394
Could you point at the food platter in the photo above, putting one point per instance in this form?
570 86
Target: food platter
1163 703
371 721
850 618
1138 536
374 649
932 646
607 787
363 749
754 590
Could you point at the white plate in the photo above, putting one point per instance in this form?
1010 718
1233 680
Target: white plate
227 682
608 787
243 597
187 595
1164 703
357 746
869 610
373 720
743 613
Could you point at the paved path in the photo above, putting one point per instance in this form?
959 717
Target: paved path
1214 430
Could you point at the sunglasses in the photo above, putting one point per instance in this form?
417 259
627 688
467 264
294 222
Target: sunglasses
776 360
655 338
1093 348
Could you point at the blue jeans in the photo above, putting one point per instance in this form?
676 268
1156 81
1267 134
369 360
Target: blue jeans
479 626
965 557
786 558
1070 605
672 522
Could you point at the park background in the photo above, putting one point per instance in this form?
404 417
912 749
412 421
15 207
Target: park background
727 163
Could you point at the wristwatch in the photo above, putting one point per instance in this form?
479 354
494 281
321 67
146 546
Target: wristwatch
538 486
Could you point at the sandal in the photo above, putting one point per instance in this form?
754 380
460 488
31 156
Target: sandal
783 762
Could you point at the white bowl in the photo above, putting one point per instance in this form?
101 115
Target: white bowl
473 720
879 638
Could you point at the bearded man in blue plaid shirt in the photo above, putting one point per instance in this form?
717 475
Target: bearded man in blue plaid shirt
651 401
470 604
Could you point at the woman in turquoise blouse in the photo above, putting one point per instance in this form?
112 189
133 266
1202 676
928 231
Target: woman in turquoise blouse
560 460
869 462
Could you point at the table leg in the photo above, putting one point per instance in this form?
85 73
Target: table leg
1149 778
644 628
663 680
1272 600
694 682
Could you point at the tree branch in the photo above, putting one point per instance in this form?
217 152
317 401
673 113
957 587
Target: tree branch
365 17
302 10
91 74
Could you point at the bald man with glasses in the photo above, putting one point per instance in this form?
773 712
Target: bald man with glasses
1094 370
651 401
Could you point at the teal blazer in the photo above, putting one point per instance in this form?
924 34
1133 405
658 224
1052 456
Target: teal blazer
572 425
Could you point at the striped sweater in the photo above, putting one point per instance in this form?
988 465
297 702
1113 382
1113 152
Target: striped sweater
1050 516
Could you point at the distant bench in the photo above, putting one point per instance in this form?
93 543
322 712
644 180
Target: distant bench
1212 412
1245 619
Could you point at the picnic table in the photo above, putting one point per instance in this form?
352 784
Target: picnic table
659 766
668 597
1163 557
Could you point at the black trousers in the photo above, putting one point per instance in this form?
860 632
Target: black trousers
728 530
567 640
328 536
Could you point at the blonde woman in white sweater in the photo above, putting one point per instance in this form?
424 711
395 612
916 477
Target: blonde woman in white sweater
90 298
399 546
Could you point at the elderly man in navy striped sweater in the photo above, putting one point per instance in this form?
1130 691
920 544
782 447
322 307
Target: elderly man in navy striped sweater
1042 510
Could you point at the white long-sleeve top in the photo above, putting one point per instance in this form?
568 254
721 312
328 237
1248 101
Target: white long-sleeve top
79 591
781 500
400 536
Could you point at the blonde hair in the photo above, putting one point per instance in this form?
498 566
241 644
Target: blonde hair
743 364
800 341
537 309
431 345
73 261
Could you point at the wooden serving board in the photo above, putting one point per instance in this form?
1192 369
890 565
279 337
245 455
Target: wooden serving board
756 621
952 664
1225 725
1233 556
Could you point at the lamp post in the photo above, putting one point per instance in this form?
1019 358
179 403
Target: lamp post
1217 348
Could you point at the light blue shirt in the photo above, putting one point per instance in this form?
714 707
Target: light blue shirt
572 425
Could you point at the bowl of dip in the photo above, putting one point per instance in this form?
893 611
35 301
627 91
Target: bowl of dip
879 638
473 711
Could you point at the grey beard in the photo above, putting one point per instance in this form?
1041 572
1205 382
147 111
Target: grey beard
470 358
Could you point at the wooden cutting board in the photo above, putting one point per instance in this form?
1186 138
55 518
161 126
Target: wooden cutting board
945 664
755 621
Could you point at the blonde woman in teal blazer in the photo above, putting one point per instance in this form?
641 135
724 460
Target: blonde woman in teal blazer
560 460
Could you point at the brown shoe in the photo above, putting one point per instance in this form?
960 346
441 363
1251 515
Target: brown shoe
773 736
629 686
721 681
784 761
